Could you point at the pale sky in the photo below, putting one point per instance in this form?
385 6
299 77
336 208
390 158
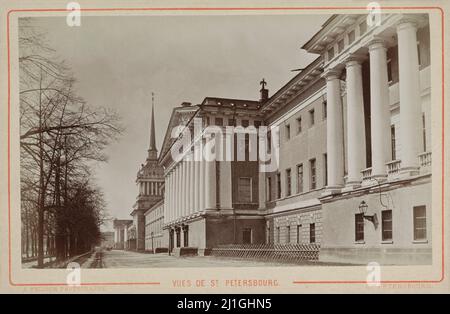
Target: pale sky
119 61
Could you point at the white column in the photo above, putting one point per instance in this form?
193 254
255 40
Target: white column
225 185
202 185
410 103
172 196
356 141
210 184
196 185
182 188
166 196
379 109
335 131
177 191
262 189
185 187
191 184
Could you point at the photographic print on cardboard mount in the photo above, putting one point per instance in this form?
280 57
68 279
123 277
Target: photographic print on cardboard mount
207 140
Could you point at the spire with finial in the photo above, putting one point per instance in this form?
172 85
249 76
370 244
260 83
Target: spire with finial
152 151
264 92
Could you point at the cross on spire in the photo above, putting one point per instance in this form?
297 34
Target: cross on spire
263 83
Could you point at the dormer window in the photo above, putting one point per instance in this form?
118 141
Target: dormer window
340 45
331 53
362 28
351 37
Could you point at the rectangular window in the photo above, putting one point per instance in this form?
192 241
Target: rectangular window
389 70
245 190
325 169
312 171
278 234
269 189
299 125
300 178
186 237
278 185
340 45
312 233
359 227
288 182
393 144
219 121
288 234
420 223
351 37
299 234
424 133
269 141
324 110
362 28
247 236
288 131
386 225
311 117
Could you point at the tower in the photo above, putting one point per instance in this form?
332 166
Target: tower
149 180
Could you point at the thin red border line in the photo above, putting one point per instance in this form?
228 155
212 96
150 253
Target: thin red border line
217 9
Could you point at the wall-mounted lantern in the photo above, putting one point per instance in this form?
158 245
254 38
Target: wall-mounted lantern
363 210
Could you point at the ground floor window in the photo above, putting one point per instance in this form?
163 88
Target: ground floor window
359 227
178 233
247 236
186 236
386 225
278 234
299 233
420 222
171 240
312 233
288 234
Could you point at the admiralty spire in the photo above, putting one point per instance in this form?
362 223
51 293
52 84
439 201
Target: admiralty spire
149 180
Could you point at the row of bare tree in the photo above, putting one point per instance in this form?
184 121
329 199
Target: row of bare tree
61 139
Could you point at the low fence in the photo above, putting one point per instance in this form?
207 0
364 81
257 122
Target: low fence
269 252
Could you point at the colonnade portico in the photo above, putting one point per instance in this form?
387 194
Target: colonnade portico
191 188
410 112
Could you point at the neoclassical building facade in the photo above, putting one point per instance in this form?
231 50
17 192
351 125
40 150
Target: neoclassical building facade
210 202
351 138
355 157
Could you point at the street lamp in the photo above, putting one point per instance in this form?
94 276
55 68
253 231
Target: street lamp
363 210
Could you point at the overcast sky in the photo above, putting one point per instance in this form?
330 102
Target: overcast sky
119 61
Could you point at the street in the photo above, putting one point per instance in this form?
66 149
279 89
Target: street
129 259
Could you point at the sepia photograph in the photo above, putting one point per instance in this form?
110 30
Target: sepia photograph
264 153
209 147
